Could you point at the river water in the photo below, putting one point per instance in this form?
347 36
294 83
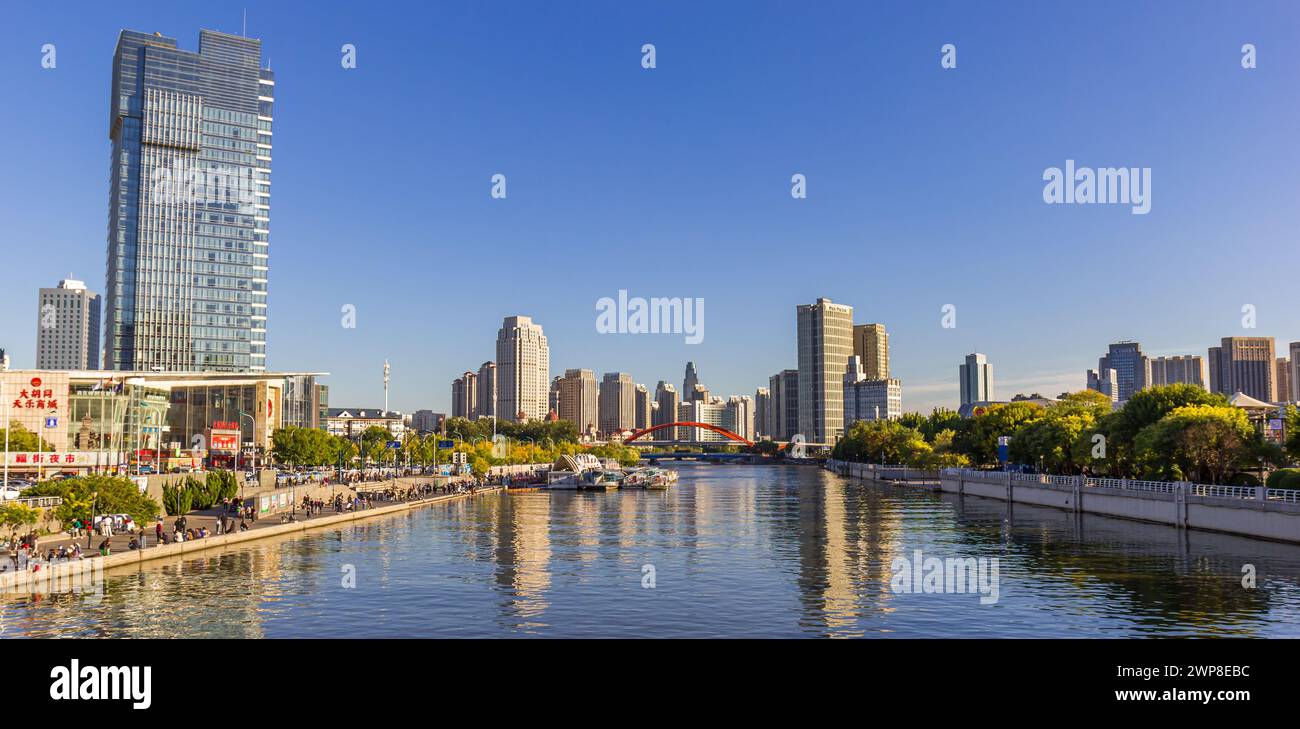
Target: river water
730 550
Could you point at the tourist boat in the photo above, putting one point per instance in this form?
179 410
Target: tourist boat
651 477
567 471
600 480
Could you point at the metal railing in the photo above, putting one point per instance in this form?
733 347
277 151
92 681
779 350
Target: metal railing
1210 491
36 502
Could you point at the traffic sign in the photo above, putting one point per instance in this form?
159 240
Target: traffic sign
51 422
394 444
446 444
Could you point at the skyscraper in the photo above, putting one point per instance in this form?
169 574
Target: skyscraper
523 370
464 401
871 343
1294 348
739 416
578 401
666 399
1284 379
689 382
1132 368
825 336
976 378
784 409
643 408
868 399
189 204
487 390
67 328
1246 365
762 411
617 403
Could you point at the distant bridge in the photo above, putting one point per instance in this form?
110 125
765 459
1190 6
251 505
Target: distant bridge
688 424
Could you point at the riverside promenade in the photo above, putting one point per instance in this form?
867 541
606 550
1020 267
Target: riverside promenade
269 526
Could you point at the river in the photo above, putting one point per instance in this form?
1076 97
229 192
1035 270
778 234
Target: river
729 551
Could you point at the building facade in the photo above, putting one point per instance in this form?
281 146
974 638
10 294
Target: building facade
523 370
427 421
67 328
644 408
825 343
579 399
783 415
1132 368
762 411
1105 383
666 411
1284 379
690 382
189 205
1246 365
976 379
487 390
617 403
1294 349
871 343
868 399
1188 368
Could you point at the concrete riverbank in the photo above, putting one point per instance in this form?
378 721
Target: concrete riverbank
9 577
1252 511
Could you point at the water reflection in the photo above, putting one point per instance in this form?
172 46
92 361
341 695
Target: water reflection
735 551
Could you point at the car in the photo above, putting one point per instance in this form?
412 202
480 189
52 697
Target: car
120 522
9 493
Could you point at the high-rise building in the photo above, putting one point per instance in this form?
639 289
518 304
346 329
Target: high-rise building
617 403
487 390
825 336
784 411
1132 368
189 204
578 399
1294 349
689 382
699 411
1188 368
667 410
523 370
301 402
868 399
644 408
871 343
739 416
464 400
1284 379
762 411
1246 365
67 328
976 378
1105 382
427 421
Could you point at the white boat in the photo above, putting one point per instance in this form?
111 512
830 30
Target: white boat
566 473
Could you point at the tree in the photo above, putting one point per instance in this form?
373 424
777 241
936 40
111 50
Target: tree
100 495
18 516
1056 440
1147 407
1198 442
979 440
22 439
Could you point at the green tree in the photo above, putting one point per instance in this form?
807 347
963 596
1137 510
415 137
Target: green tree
1147 407
18 517
1196 442
102 494
22 439
978 440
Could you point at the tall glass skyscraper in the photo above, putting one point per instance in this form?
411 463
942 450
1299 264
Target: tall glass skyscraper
189 205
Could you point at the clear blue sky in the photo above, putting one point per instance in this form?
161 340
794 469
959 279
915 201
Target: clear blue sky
924 185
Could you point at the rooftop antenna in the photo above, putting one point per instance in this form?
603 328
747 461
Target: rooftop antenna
245 31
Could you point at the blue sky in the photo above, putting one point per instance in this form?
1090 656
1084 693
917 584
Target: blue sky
924 184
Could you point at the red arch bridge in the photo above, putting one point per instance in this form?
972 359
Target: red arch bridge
688 424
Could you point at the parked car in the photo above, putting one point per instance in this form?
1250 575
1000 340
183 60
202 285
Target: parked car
10 492
120 522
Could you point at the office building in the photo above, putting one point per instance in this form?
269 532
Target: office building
578 399
425 422
868 399
1246 365
1284 379
464 396
523 370
487 390
1104 382
1294 349
302 401
871 343
1188 369
762 411
1132 368
644 408
666 410
784 410
976 379
825 343
690 382
67 328
189 205
739 416
617 403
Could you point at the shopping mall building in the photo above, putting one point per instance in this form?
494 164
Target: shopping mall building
160 421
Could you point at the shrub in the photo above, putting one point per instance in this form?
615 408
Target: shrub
1284 478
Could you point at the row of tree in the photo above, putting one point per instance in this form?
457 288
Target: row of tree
1173 432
